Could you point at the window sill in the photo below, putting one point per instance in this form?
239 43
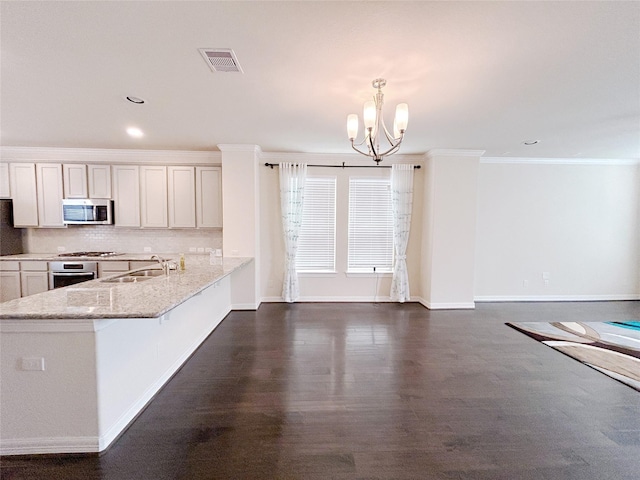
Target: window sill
385 273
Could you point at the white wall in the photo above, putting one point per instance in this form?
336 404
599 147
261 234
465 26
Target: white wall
576 221
338 286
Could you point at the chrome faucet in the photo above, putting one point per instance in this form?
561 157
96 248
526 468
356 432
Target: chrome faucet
163 263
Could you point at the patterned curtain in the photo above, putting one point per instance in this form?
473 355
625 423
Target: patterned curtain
292 179
401 204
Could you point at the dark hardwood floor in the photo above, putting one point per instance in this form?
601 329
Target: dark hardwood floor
377 391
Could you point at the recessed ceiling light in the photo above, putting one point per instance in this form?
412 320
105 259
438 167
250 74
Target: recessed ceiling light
531 142
135 132
135 100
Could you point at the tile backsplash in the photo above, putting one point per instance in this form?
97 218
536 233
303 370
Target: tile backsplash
125 240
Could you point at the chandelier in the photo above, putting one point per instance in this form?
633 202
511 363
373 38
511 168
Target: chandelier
374 126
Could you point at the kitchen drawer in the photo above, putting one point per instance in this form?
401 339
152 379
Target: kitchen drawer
34 266
10 266
106 269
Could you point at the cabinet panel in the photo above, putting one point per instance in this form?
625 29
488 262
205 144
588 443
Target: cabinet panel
5 187
24 194
208 197
153 196
75 180
182 197
34 266
126 195
50 194
33 282
9 286
106 269
99 181
135 264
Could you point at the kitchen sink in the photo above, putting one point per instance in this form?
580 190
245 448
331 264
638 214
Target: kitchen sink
150 272
137 276
126 279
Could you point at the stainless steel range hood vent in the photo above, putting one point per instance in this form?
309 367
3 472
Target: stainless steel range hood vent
221 59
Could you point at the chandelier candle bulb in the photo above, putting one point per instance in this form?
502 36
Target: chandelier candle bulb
352 126
402 116
369 114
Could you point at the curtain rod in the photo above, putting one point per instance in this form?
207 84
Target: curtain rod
340 166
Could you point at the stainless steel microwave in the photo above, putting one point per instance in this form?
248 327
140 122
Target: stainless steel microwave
81 211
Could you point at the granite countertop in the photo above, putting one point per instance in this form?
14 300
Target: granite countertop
52 257
96 299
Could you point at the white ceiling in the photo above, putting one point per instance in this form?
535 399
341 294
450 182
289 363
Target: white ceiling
476 75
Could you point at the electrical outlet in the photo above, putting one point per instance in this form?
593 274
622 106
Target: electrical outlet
61 249
147 249
193 249
33 364
525 283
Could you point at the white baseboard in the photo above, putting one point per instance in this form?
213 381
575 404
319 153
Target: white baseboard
246 306
40 445
556 298
447 306
363 299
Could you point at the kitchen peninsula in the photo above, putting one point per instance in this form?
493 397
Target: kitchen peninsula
79 363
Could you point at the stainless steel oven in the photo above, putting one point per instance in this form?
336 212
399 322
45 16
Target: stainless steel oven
62 274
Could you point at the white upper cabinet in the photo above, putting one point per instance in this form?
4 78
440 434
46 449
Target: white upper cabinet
153 196
182 197
99 181
5 187
75 180
126 195
25 196
208 197
50 194
87 181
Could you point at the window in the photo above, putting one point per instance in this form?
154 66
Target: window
317 240
370 225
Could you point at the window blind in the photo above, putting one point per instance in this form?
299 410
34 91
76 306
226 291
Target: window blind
370 225
317 239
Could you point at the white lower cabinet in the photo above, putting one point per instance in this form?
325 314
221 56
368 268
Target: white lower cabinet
33 282
153 197
108 269
9 280
135 264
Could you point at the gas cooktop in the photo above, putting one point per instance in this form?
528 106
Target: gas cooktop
89 254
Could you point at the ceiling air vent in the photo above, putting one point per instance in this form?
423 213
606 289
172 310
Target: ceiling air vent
221 59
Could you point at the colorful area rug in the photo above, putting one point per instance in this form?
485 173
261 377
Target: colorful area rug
610 347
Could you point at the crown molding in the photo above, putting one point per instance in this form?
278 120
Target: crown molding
239 147
559 161
104 155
